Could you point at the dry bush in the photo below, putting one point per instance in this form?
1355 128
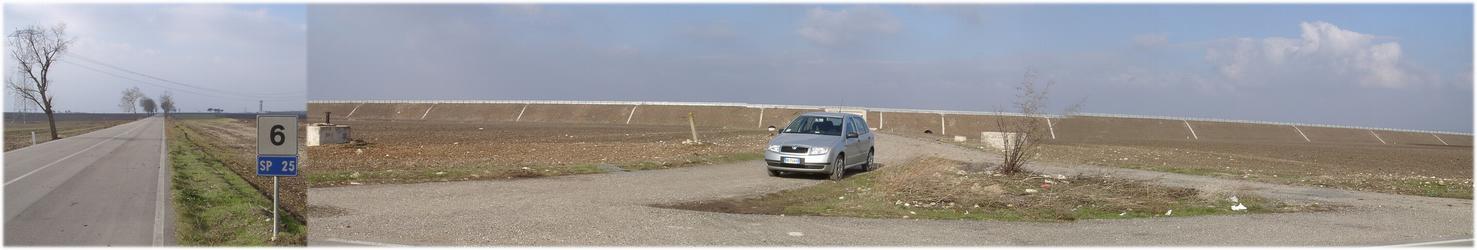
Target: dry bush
1031 98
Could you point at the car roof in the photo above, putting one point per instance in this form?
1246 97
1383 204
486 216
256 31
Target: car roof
830 114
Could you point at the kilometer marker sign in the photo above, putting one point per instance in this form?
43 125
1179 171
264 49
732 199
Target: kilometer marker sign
276 145
276 152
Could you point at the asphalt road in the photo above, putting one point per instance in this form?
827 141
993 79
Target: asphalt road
105 188
612 210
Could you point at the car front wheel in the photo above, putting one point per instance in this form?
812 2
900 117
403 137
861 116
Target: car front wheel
838 168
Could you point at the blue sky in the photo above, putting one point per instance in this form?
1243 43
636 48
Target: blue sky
241 53
1400 66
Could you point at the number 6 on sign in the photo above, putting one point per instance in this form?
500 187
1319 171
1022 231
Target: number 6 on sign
276 135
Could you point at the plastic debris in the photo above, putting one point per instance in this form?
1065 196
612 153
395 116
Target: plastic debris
1234 199
1167 213
796 234
1031 191
1238 207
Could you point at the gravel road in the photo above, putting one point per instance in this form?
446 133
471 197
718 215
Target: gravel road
611 210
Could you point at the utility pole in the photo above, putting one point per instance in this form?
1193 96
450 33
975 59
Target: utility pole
258 106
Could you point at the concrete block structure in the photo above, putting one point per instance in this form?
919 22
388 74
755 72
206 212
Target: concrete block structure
323 133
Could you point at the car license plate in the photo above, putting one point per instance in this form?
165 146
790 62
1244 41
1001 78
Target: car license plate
790 160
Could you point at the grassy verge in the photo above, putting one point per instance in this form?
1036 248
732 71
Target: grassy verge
322 178
933 188
216 207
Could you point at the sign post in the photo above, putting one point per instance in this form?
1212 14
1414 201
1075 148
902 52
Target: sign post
276 152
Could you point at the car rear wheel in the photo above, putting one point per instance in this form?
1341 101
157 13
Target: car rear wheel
868 165
838 168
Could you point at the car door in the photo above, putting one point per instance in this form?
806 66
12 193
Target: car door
854 152
867 138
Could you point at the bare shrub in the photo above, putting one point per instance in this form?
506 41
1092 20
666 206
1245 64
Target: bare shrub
1026 133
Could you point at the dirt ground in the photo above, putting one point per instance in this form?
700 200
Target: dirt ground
233 141
935 188
1428 170
419 151
18 133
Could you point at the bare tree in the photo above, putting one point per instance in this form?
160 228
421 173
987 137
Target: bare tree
35 50
166 103
148 105
1025 134
129 103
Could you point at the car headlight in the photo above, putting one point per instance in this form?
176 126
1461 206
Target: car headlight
819 151
774 148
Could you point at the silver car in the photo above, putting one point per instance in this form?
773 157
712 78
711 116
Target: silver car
821 142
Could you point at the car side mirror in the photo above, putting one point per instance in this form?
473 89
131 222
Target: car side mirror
852 135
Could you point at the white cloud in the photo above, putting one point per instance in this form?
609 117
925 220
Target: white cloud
846 26
1323 51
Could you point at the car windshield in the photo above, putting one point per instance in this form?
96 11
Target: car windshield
815 125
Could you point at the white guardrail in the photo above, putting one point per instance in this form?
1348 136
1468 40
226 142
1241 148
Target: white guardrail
891 110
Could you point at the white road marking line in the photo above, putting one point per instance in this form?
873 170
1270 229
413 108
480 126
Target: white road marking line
366 243
53 163
162 192
1425 243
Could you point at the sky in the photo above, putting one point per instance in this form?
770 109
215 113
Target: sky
1394 66
205 55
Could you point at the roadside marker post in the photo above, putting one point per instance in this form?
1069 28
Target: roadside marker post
276 153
